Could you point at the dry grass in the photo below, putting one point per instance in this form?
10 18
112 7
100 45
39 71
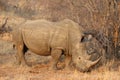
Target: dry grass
42 73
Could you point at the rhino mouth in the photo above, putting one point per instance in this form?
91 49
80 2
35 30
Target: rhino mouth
84 65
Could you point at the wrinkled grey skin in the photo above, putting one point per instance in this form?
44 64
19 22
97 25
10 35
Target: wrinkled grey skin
52 38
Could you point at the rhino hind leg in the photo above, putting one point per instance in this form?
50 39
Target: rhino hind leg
56 54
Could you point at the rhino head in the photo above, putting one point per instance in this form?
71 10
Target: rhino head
84 65
80 58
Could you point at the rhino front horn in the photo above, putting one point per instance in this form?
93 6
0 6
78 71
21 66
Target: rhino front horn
92 63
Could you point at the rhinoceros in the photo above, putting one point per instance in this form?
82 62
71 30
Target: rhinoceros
52 38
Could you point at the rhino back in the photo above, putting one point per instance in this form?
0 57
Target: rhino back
40 36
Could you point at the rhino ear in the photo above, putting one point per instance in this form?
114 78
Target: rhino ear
86 38
82 39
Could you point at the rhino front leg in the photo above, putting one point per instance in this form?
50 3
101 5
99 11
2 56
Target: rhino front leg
67 62
20 55
56 54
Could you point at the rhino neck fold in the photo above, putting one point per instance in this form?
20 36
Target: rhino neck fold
74 36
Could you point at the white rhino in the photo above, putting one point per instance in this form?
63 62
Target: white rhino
52 38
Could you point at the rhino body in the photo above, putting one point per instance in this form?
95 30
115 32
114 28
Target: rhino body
52 38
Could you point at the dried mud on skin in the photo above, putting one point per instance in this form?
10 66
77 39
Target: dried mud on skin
39 69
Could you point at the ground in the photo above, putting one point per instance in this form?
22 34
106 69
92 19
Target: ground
40 64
